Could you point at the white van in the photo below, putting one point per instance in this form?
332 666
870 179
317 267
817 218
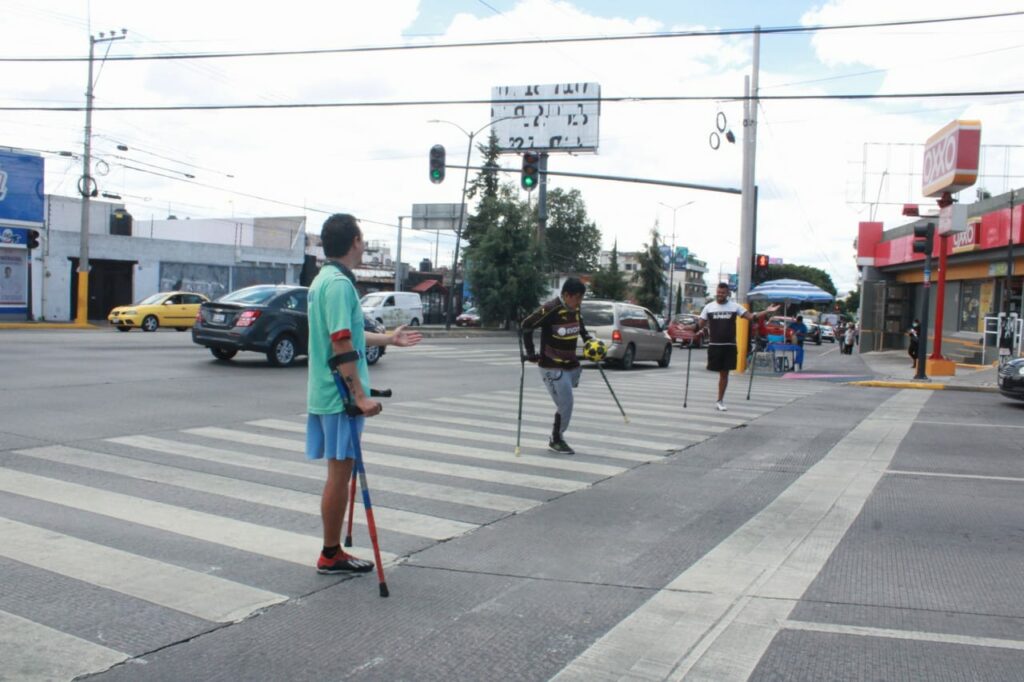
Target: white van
393 309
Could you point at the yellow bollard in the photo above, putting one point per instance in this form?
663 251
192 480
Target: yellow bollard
82 312
742 344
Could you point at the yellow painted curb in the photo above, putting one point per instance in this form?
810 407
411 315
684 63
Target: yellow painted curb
900 384
46 325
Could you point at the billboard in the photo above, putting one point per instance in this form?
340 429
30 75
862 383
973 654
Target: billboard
951 158
547 118
21 188
13 280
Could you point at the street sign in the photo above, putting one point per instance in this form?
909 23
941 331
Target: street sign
546 118
21 188
438 217
951 158
953 219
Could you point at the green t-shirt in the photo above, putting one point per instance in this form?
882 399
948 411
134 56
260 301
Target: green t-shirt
333 307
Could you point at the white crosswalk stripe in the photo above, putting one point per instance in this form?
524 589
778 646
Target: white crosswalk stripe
443 466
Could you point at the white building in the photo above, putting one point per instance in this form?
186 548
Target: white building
130 259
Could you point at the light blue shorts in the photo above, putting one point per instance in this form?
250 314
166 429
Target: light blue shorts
329 435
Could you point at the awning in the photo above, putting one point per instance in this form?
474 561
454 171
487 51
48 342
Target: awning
426 285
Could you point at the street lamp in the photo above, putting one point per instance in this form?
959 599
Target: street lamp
672 255
462 205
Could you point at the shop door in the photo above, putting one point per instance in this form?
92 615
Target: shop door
110 285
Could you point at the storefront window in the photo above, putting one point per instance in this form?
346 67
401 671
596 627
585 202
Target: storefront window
977 299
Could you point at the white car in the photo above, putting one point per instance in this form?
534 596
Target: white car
828 333
393 309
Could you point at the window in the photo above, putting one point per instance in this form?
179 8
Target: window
633 317
598 314
252 295
173 300
652 322
390 302
192 299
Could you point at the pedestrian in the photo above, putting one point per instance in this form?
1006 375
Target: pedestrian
799 332
915 339
849 338
719 317
560 327
336 328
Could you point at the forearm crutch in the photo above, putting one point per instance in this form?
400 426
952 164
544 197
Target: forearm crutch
612 391
686 391
522 377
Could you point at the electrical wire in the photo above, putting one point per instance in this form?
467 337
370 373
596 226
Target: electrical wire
533 41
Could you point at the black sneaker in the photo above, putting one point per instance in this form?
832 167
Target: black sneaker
560 447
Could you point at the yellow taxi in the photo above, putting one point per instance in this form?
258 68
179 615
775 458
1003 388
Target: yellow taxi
176 309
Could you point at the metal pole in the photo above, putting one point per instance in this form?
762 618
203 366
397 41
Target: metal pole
671 267
940 299
749 153
542 197
922 351
398 257
458 234
85 189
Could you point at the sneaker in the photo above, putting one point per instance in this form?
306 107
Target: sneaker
342 563
560 447
720 406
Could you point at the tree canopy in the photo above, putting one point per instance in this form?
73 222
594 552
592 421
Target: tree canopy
806 273
572 240
608 282
650 278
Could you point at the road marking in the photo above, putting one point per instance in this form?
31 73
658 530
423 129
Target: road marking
398 461
398 520
417 414
978 477
603 470
915 635
607 406
970 424
198 594
33 653
716 619
249 537
315 471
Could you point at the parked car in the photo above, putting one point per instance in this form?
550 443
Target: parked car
828 333
469 318
777 326
813 333
632 333
1011 379
684 330
168 309
394 308
269 319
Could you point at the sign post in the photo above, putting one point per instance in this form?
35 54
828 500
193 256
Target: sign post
950 165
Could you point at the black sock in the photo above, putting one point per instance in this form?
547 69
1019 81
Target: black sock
331 552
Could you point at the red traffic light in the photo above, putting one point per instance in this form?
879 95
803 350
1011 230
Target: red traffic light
762 261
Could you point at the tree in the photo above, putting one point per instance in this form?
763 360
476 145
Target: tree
851 304
572 241
805 273
608 282
506 278
486 185
679 298
650 277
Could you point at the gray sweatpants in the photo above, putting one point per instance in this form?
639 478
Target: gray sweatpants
560 383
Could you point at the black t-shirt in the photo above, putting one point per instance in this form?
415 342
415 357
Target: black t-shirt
721 319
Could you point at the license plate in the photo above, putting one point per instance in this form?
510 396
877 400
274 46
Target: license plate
218 317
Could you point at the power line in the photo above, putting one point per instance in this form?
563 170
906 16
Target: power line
527 41
539 100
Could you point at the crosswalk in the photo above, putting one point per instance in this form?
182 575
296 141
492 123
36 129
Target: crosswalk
208 525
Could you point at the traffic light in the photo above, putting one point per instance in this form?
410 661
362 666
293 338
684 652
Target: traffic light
924 238
33 240
760 268
437 164
531 171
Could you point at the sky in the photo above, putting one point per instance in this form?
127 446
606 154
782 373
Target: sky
821 166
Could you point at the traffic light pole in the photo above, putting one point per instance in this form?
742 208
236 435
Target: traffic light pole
922 343
458 235
542 197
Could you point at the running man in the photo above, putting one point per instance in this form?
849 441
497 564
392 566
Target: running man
719 317
560 326
336 328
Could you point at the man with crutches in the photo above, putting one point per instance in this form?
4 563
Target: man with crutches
336 331
719 317
560 327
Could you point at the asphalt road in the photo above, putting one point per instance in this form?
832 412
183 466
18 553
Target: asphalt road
158 521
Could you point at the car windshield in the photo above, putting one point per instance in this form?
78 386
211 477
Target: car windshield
598 314
469 311
150 300
373 300
250 295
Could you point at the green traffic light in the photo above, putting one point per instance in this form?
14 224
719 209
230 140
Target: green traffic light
436 173
528 181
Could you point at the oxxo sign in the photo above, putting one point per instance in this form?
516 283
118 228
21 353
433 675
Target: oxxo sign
966 240
951 158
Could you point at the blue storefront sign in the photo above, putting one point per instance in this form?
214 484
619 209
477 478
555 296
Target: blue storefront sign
21 189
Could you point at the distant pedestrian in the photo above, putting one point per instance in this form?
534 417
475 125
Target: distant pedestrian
915 340
719 317
561 326
849 338
336 328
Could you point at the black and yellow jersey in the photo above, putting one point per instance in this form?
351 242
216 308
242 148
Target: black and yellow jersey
560 328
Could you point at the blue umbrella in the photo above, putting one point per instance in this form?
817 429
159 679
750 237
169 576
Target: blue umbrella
789 290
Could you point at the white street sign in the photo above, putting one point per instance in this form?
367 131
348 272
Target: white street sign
547 118
952 219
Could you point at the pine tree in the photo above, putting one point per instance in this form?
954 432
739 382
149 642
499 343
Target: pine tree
608 282
650 278
679 297
486 185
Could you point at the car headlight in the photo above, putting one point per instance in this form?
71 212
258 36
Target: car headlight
129 312
1020 370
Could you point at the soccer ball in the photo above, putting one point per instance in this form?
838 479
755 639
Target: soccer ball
594 350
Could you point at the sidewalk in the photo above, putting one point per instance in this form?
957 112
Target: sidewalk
892 370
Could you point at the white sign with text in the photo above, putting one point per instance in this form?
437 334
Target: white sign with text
547 118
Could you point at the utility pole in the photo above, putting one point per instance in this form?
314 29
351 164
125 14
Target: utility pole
398 257
749 207
87 185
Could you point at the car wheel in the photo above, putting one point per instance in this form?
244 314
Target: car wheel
150 324
666 357
124 329
414 323
223 353
372 354
627 357
282 351
181 329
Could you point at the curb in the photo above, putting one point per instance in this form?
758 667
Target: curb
46 325
924 386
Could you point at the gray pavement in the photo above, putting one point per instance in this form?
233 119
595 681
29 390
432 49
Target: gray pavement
820 531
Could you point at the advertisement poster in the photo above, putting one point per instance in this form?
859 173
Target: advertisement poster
13 278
